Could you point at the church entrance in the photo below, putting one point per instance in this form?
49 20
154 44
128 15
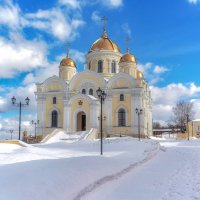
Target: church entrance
81 121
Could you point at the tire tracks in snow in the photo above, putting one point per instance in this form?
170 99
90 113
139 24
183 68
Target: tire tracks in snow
98 183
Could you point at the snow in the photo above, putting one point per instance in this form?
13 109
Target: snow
172 175
155 169
62 170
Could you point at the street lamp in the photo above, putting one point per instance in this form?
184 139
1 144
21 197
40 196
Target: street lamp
138 112
187 119
35 123
11 132
20 109
102 95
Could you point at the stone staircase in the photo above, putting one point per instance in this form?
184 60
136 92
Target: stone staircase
70 137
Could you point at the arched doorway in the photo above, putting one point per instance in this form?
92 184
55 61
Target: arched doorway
54 119
81 121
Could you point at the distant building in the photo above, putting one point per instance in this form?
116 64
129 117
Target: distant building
194 128
69 101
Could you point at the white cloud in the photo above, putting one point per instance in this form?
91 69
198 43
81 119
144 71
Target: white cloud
77 56
160 69
152 72
20 93
166 97
19 55
112 3
126 29
74 4
53 21
7 124
96 17
193 1
10 15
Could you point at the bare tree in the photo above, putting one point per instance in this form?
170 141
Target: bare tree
182 112
156 125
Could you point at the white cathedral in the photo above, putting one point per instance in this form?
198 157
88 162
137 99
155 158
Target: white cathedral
70 101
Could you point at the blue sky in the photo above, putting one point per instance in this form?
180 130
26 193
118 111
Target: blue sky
164 38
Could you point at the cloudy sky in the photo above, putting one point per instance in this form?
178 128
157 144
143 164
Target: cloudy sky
164 38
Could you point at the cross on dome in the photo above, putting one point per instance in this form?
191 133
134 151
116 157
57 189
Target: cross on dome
68 47
127 44
104 18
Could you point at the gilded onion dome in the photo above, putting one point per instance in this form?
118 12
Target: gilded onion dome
104 43
128 57
139 74
67 62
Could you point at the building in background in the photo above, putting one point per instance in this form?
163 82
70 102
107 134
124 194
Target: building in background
194 128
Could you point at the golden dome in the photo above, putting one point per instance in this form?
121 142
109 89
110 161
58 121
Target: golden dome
104 43
67 62
127 57
139 74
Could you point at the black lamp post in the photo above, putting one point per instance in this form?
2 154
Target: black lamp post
20 110
35 124
102 95
138 112
11 132
187 119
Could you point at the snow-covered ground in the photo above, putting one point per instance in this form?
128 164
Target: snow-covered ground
164 169
59 170
174 174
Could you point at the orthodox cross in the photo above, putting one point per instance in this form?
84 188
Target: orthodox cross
80 103
104 22
127 43
68 47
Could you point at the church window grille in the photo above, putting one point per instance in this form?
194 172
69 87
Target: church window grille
100 66
54 119
91 92
83 91
121 97
54 100
121 117
113 65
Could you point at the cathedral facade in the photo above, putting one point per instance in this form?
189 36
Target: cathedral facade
70 102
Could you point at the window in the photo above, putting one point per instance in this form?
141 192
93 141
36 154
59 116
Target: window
54 119
100 66
91 92
121 97
113 67
54 100
83 91
89 65
121 117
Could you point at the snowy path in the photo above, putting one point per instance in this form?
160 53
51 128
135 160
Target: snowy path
173 174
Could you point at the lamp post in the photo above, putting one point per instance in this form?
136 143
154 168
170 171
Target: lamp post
20 105
187 119
35 124
102 95
11 132
138 112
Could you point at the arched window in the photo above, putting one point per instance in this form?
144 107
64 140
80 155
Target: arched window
89 65
83 91
54 100
121 98
121 117
91 92
100 66
113 67
54 119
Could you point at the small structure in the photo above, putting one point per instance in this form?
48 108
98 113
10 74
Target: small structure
194 128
